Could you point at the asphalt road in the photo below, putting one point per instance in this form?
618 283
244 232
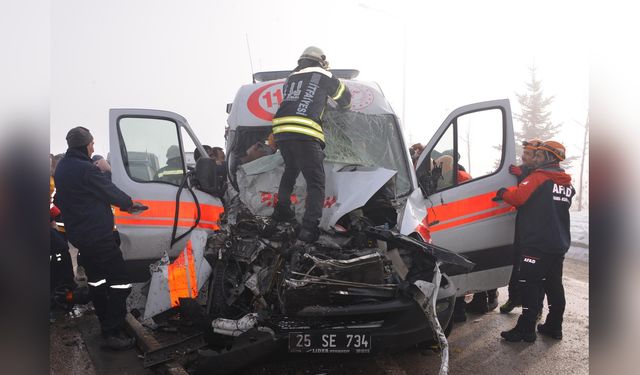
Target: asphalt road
475 346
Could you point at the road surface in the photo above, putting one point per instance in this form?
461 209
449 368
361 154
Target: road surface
475 346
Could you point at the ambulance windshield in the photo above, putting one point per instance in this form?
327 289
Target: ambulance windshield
368 140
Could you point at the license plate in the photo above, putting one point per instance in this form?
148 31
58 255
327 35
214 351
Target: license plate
329 342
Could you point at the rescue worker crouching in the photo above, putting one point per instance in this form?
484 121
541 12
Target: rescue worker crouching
543 200
297 129
85 195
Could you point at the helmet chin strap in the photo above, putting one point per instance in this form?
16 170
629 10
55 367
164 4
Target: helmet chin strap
550 159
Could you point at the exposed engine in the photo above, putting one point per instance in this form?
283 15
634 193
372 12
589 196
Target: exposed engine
259 269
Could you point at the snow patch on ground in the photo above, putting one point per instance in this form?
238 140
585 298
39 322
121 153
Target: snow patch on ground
579 236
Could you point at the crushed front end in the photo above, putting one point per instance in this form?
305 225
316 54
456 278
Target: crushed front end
351 292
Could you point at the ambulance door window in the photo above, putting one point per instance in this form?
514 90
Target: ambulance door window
442 161
479 144
151 150
470 149
189 149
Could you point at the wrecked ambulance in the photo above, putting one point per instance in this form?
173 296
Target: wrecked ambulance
396 237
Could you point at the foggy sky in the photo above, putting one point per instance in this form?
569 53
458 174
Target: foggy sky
191 57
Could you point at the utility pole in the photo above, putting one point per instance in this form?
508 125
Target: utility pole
584 153
404 75
467 138
246 36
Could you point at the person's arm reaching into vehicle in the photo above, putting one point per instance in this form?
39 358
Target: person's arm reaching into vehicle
518 195
104 166
520 171
515 170
341 95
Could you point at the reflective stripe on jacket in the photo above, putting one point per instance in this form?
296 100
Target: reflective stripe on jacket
305 99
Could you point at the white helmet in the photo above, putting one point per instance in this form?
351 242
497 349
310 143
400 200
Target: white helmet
173 152
315 54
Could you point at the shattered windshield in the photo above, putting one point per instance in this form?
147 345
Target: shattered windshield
367 140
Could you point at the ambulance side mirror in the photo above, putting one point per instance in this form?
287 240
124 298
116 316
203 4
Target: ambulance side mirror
427 177
207 177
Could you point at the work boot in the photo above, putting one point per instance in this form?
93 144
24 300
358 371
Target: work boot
283 214
459 317
523 331
478 304
459 314
309 236
117 341
509 305
549 330
492 299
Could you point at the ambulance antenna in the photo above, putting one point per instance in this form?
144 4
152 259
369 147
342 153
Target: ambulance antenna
250 59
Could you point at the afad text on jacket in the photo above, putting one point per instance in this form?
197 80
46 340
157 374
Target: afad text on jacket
543 199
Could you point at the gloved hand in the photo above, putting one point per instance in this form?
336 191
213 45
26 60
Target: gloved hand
499 194
137 208
343 109
515 170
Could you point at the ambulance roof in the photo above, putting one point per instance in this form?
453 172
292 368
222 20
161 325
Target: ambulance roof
255 104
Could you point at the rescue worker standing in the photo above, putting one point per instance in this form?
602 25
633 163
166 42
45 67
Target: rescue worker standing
297 129
521 172
85 195
543 200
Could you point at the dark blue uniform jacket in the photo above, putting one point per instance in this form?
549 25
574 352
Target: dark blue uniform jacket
85 195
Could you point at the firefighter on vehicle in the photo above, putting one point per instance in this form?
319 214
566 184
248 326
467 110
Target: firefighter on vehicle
297 129
543 199
85 195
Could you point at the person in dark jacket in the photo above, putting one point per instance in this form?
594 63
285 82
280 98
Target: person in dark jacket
60 264
297 129
543 200
104 167
521 172
85 195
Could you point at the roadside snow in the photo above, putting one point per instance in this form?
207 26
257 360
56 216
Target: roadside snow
579 236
